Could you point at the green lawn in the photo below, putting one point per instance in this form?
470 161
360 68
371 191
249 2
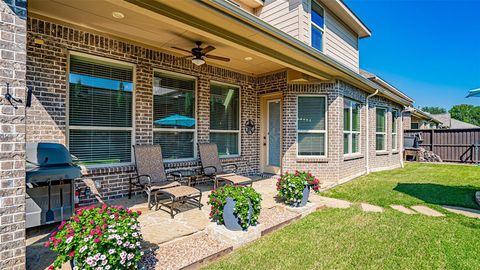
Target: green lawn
351 239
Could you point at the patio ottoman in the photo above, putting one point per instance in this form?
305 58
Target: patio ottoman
235 179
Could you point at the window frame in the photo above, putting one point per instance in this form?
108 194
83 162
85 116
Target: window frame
394 131
69 127
351 132
239 131
325 131
382 133
318 27
195 130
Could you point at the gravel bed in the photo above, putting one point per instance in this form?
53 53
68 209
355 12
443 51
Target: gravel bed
184 252
275 216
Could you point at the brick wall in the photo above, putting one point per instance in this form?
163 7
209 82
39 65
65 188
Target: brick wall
388 159
48 45
12 136
326 169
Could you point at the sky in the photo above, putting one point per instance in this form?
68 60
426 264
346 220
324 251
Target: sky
429 49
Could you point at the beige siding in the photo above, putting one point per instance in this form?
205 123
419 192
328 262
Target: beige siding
283 14
293 17
340 43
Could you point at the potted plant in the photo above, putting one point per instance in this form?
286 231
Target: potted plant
107 237
237 207
295 187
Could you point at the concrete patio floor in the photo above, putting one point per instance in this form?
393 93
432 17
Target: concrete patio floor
157 226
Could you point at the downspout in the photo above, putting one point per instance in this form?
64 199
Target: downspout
367 126
400 141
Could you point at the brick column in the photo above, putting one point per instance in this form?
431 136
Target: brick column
12 135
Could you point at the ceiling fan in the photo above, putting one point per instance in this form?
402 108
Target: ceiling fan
199 54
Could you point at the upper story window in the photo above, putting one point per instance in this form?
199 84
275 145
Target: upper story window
318 25
381 129
174 118
351 127
225 118
311 125
100 110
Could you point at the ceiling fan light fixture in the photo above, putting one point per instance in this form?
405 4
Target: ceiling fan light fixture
118 15
198 61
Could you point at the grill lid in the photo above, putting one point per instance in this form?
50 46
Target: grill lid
47 154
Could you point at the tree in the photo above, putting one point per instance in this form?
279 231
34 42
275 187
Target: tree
466 113
433 110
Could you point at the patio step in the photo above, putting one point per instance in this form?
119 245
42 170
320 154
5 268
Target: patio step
189 252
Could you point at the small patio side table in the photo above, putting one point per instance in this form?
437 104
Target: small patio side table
184 176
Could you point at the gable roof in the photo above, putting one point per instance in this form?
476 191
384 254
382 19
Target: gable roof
348 17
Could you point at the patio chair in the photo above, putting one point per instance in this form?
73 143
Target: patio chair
152 178
212 168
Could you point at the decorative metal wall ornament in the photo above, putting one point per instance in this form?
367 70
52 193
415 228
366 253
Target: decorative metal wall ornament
12 100
249 127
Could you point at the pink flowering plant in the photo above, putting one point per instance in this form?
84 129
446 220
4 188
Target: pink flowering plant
290 185
106 237
242 195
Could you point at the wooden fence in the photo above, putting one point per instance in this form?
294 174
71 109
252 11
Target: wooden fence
452 145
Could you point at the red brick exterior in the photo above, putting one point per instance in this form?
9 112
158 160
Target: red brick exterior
12 137
47 74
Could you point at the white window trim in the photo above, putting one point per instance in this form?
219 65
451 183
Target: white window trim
321 28
239 119
154 129
395 130
325 131
69 127
382 133
350 132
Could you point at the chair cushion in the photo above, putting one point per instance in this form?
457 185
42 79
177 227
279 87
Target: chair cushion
181 191
235 178
164 185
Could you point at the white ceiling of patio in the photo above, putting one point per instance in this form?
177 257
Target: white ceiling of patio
149 29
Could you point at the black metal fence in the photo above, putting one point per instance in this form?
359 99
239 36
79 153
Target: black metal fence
452 145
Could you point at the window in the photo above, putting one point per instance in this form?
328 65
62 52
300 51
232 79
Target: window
174 121
351 127
414 125
100 111
394 129
381 129
225 118
318 26
311 125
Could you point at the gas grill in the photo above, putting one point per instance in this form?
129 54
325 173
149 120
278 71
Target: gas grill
50 175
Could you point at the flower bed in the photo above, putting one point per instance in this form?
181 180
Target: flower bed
242 195
107 237
290 186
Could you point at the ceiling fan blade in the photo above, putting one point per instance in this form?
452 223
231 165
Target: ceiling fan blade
225 59
180 49
208 49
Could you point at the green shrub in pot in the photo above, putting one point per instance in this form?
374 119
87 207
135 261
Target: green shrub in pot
291 186
245 197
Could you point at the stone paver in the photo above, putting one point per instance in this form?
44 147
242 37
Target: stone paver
371 208
403 209
467 212
333 203
424 210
